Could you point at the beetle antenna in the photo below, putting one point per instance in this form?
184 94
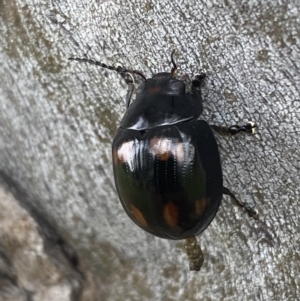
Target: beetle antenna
174 68
118 69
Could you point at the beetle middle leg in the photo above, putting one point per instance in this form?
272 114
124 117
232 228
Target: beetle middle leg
252 212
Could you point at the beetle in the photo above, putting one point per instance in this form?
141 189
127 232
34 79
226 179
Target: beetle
166 161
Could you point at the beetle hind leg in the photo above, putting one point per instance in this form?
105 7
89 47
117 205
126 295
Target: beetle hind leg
252 212
194 253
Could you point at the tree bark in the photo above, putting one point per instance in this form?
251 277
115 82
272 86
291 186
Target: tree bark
58 119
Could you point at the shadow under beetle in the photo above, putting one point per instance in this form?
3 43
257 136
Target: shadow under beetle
166 160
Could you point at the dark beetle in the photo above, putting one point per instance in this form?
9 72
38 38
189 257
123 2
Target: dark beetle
166 160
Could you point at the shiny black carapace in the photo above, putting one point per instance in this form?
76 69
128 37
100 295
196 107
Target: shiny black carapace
166 160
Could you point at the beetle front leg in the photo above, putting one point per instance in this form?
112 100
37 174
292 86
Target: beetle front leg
197 82
130 91
252 212
250 128
129 79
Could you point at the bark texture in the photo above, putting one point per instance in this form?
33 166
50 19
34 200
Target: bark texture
58 119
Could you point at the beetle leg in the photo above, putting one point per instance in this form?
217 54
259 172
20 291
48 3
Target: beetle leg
250 128
194 253
195 87
198 80
185 78
130 91
129 79
174 68
252 212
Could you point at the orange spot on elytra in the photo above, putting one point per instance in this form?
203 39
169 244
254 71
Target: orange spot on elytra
138 216
201 205
164 156
171 214
161 148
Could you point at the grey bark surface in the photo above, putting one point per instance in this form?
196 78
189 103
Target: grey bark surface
58 119
35 263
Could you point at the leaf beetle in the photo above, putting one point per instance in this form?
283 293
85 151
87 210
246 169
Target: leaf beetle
166 160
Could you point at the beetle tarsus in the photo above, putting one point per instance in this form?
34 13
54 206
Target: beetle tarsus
198 80
249 128
194 253
252 212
